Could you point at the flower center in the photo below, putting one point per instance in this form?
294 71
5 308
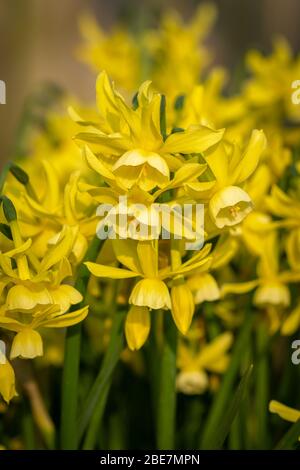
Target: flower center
234 210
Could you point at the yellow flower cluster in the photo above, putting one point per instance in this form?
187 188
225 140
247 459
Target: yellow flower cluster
34 293
177 141
132 151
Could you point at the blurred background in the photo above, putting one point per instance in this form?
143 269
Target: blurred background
39 39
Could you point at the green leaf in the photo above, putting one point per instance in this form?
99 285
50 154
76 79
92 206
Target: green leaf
289 440
70 378
167 388
222 398
262 397
223 430
94 424
3 176
96 399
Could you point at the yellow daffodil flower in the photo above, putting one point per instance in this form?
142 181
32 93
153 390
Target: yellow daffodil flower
287 207
129 143
192 378
269 88
27 342
228 202
272 289
43 212
141 261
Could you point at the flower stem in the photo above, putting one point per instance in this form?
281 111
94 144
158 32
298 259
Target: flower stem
95 402
70 378
167 384
222 398
167 390
70 388
262 386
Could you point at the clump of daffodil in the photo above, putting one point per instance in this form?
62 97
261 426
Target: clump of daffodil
268 90
175 42
130 149
155 52
163 136
33 290
117 52
45 209
129 141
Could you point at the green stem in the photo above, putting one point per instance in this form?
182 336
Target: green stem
94 425
262 387
28 430
96 400
70 378
220 404
167 390
166 417
70 381
235 436
3 176
290 439
117 342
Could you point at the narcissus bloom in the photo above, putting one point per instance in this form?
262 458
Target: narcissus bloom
287 207
194 366
28 342
269 88
34 293
230 206
154 52
32 282
230 167
141 261
44 210
130 143
176 42
272 284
